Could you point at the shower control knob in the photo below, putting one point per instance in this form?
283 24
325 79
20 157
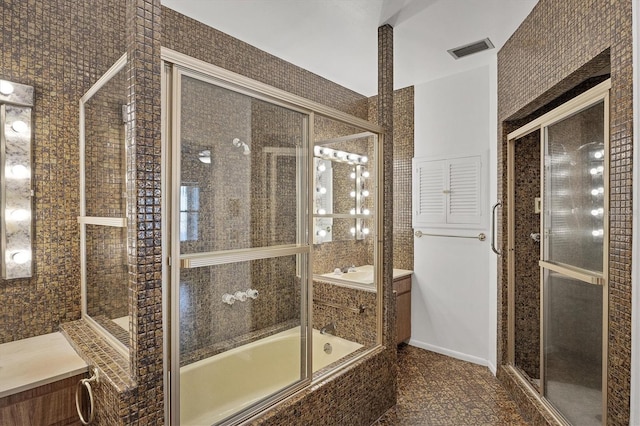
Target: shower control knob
252 293
228 299
240 295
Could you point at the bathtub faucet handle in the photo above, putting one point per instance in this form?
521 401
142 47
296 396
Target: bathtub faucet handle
229 299
252 293
240 295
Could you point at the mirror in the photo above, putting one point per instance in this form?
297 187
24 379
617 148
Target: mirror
103 207
343 198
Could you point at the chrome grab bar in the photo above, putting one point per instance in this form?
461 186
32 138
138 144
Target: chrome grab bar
360 309
86 383
493 228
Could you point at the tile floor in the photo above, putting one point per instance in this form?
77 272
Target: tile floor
434 389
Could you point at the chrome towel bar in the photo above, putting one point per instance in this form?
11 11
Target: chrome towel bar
360 309
481 236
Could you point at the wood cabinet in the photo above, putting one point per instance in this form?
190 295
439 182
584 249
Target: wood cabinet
402 289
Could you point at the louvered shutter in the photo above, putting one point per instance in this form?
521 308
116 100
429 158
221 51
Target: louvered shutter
447 192
464 206
429 198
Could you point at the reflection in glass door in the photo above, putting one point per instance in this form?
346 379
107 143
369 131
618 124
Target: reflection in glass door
239 314
573 256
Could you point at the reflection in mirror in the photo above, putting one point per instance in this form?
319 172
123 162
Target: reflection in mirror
103 232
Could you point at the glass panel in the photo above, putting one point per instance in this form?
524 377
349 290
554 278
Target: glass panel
573 348
575 190
240 156
105 164
237 351
107 279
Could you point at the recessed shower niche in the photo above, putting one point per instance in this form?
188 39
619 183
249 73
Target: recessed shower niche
103 206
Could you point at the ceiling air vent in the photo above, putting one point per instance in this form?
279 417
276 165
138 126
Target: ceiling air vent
470 49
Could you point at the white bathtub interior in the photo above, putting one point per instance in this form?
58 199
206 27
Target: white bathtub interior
250 373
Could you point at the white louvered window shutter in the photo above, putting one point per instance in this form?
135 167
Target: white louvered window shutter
464 206
447 192
429 198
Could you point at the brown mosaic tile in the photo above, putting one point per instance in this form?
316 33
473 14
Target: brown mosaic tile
559 46
437 390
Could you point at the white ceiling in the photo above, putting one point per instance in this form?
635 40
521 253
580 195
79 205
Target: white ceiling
337 39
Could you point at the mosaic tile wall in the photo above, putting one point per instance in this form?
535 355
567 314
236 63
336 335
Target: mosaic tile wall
527 270
403 130
61 48
373 379
558 46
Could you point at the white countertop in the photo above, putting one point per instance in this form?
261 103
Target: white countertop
36 361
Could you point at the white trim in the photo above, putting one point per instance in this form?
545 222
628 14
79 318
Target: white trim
118 222
635 254
453 354
104 79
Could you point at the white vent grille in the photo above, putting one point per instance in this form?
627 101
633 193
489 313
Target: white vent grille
471 48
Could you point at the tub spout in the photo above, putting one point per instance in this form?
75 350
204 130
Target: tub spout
329 328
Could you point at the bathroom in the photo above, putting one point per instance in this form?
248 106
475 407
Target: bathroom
84 42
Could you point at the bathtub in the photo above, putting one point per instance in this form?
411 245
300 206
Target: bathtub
217 387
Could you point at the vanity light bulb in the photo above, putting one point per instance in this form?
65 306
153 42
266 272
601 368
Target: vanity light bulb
20 257
19 214
364 159
353 231
365 174
352 211
353 157
19 171
593 171
594 192
353 175
322 167
366 211
601 190
20 126
365 231
317 150
322 190
322 211
6 88
352 194
598 154
322 233
342 155
600 169
365 193
594 212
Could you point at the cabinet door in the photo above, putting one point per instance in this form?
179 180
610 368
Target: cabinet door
402 287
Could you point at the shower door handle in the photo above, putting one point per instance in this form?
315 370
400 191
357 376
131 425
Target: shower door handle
493 228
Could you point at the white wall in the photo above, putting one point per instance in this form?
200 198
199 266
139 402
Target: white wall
454 285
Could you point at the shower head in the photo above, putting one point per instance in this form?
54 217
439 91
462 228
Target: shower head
239 144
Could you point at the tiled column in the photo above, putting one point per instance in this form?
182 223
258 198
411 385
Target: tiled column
143 214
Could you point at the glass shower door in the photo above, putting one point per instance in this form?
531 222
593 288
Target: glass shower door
573 255
239 308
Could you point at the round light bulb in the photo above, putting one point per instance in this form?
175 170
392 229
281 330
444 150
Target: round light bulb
598 154
594 212
20 257
19 171
322 211
6 88
353 231
20 126
353 175
322 190
322 233
19 214
365 193
594 192
366 211
352 194
322 167
365 174
352 211
364 159
365 231
593 171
